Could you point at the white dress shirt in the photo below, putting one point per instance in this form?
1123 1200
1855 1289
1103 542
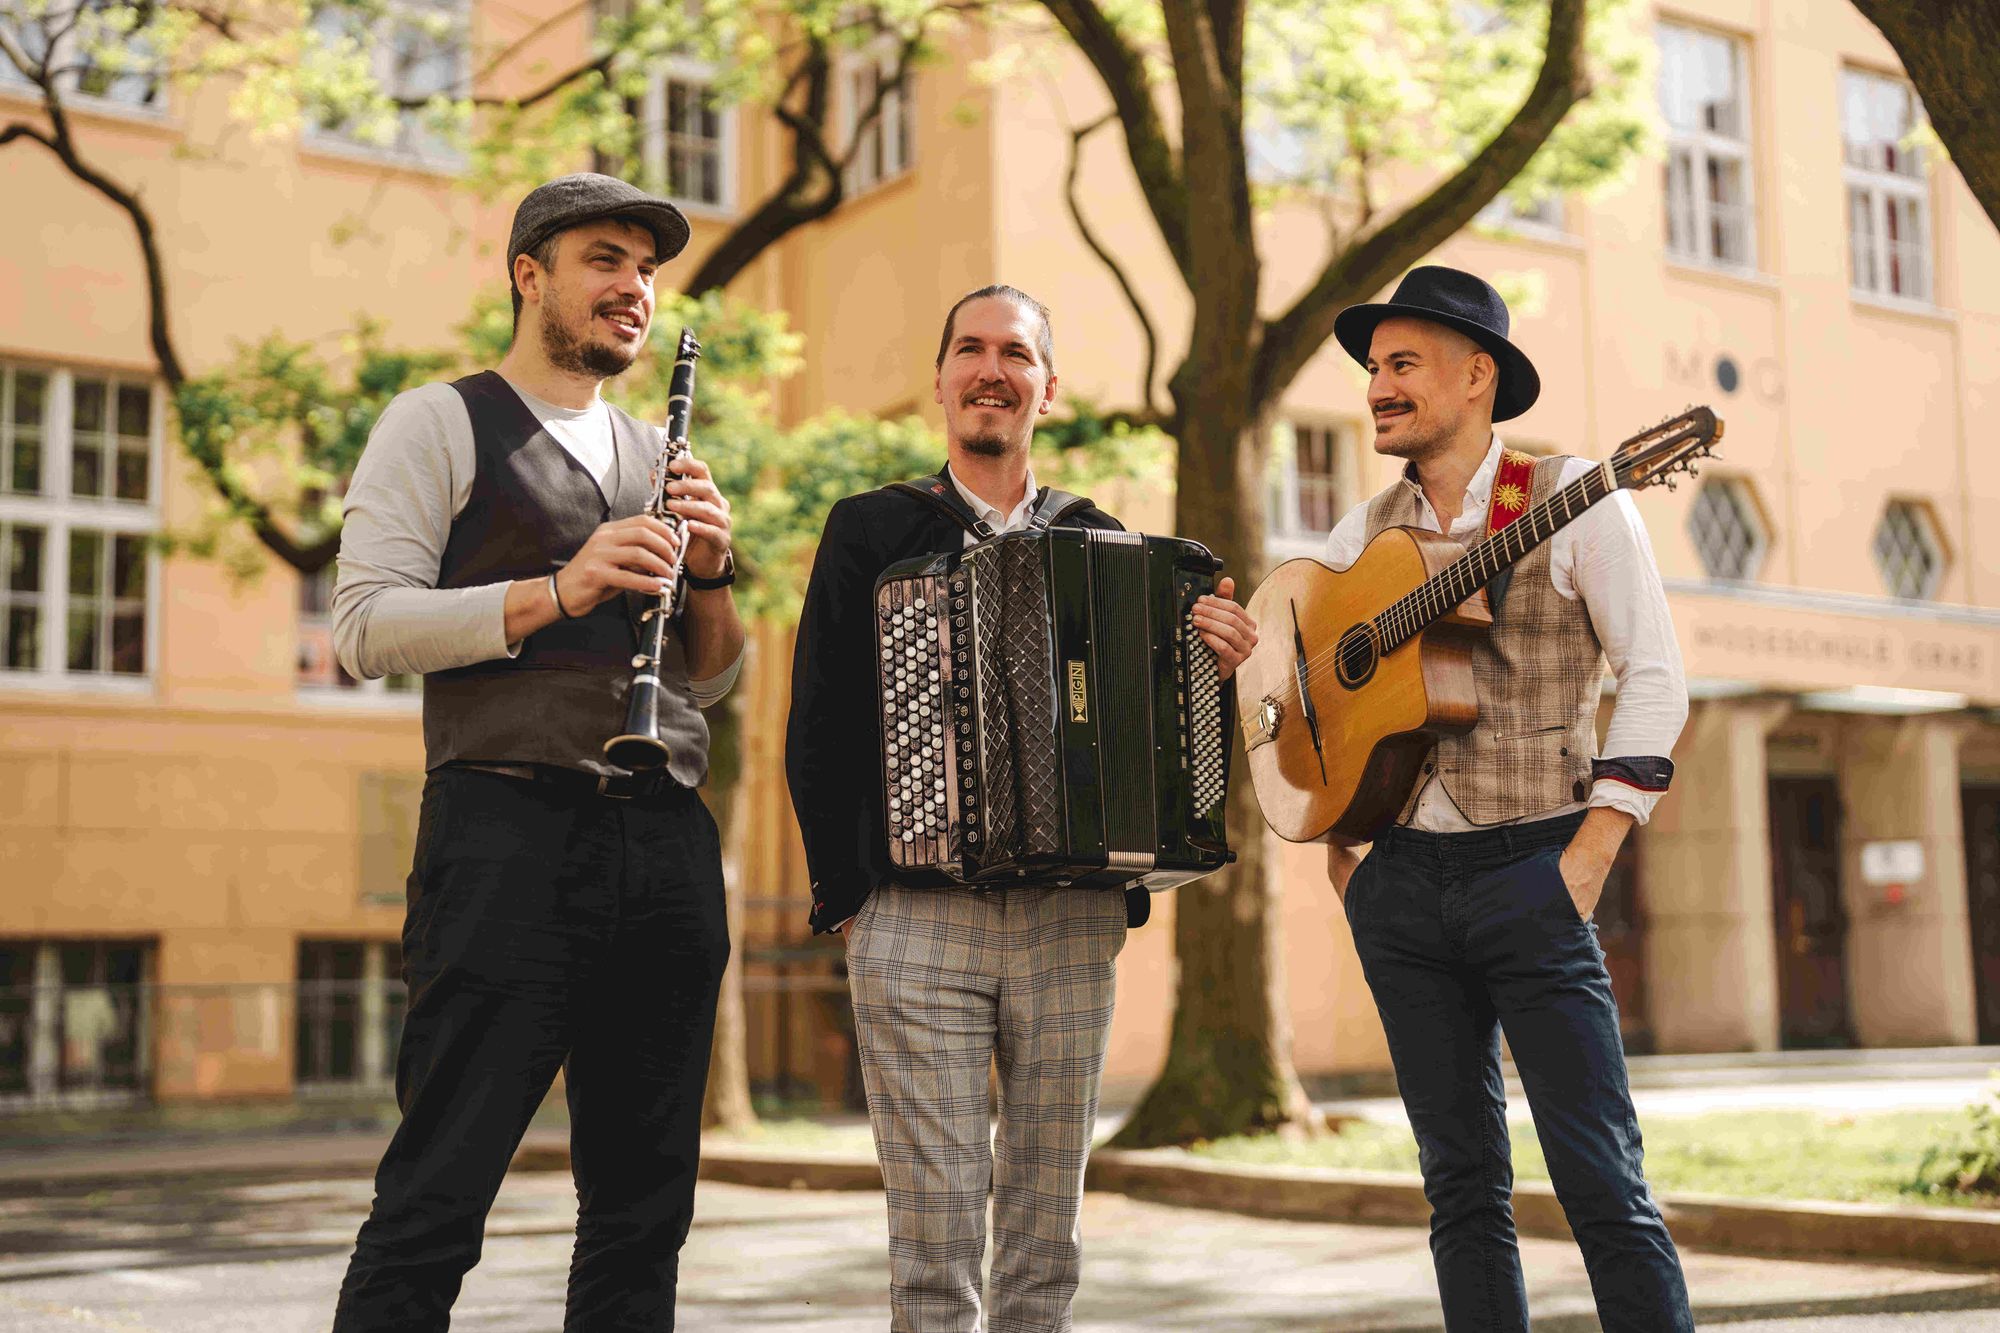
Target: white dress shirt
1605 558
1012 521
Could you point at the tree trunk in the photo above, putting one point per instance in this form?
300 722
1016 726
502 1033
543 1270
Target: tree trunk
1229 1058
727 1105
1947 48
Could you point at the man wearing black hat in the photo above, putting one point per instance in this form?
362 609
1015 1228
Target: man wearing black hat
563 913
1471 915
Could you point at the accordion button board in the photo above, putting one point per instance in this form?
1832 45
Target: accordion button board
1049 712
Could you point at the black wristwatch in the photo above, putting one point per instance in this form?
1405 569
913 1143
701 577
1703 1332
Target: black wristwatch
722 580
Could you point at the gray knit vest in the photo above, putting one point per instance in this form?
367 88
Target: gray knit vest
531 508
1538 675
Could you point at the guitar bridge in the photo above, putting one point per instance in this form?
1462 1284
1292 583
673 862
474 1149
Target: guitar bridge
1263 729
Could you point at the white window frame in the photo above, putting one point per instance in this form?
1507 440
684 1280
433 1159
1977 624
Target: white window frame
895 127
410 146
1702 145
59 513
13 82
1284 534
652 147
1881 189
381 691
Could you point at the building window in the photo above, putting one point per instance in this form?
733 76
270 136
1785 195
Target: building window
1908 552
351 1005
74 1022
1542 217
1704 97
417 51
685 139
66 37
1888 195
78 511
884 149
1313 484
1728 529
318 668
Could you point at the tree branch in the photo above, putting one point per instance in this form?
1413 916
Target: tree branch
1403 238
1154 160
58 140
1097 247
812 188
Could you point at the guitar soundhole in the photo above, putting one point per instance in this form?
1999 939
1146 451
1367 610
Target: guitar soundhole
1354 657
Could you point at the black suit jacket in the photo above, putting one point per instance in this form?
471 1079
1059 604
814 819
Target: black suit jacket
833 741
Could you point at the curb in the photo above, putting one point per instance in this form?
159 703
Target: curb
1951 1236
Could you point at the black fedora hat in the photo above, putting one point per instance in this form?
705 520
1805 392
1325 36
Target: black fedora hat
1457 300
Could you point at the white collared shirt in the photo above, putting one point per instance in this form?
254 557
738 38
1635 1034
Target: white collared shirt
1012 521
1605 558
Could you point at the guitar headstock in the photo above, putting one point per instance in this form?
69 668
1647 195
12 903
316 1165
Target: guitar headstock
1673 446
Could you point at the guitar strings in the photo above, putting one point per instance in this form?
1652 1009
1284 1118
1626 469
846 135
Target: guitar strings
1406 617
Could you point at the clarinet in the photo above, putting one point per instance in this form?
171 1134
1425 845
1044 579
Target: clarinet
639 747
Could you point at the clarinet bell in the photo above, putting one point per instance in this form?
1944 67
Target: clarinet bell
639 746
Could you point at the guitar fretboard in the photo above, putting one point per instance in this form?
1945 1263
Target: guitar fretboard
1414 612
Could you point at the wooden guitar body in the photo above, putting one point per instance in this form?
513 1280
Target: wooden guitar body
1377 717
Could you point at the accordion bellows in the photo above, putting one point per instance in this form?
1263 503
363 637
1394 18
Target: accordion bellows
1049 712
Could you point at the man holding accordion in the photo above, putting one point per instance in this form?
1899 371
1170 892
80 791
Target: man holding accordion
564 912
948 976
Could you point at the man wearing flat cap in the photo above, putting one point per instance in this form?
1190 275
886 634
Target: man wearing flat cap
1471 915
564 913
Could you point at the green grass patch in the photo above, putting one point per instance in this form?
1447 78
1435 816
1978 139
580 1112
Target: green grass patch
805 1135
1750 1154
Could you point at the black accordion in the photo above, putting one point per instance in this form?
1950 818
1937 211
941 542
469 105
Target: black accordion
1049 711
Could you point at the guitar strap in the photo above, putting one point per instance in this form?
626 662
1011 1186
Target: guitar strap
1513 483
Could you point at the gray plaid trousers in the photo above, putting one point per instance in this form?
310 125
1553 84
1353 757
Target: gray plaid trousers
946 981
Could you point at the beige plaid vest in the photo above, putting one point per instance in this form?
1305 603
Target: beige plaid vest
1537 674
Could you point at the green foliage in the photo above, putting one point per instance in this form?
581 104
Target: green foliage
280 427
1964 1159
1347 97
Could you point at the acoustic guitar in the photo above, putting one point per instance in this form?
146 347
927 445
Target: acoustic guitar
1358 671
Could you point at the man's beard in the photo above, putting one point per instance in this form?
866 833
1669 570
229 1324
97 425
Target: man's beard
1417 444
583 356
987 446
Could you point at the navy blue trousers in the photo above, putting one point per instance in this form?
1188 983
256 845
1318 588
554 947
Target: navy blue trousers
548 929
1463 936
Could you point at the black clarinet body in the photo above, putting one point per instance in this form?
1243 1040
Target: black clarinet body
640 747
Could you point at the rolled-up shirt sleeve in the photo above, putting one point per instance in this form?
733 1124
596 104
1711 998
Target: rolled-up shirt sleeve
708 693
389 615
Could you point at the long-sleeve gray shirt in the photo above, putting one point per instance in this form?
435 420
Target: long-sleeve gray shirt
389 615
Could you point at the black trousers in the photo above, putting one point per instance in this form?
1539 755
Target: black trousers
547 929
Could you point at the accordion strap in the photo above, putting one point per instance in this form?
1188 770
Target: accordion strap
1051 505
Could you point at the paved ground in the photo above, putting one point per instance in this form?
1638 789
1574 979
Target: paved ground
233 1256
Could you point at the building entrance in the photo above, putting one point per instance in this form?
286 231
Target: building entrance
1982 901
1811 924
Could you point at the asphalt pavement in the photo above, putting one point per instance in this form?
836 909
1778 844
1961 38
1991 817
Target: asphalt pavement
223 1254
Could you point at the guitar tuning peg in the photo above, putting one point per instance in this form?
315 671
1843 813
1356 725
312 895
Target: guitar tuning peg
1673 483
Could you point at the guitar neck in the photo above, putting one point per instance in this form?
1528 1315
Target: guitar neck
1437 596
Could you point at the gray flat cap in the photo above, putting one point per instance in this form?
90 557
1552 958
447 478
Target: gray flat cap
569 201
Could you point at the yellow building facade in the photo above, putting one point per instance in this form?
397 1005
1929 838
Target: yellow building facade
204 829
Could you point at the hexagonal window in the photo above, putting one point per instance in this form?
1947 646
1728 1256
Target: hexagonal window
1728 529
1908 551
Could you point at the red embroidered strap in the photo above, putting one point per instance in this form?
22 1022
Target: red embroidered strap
1513 482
